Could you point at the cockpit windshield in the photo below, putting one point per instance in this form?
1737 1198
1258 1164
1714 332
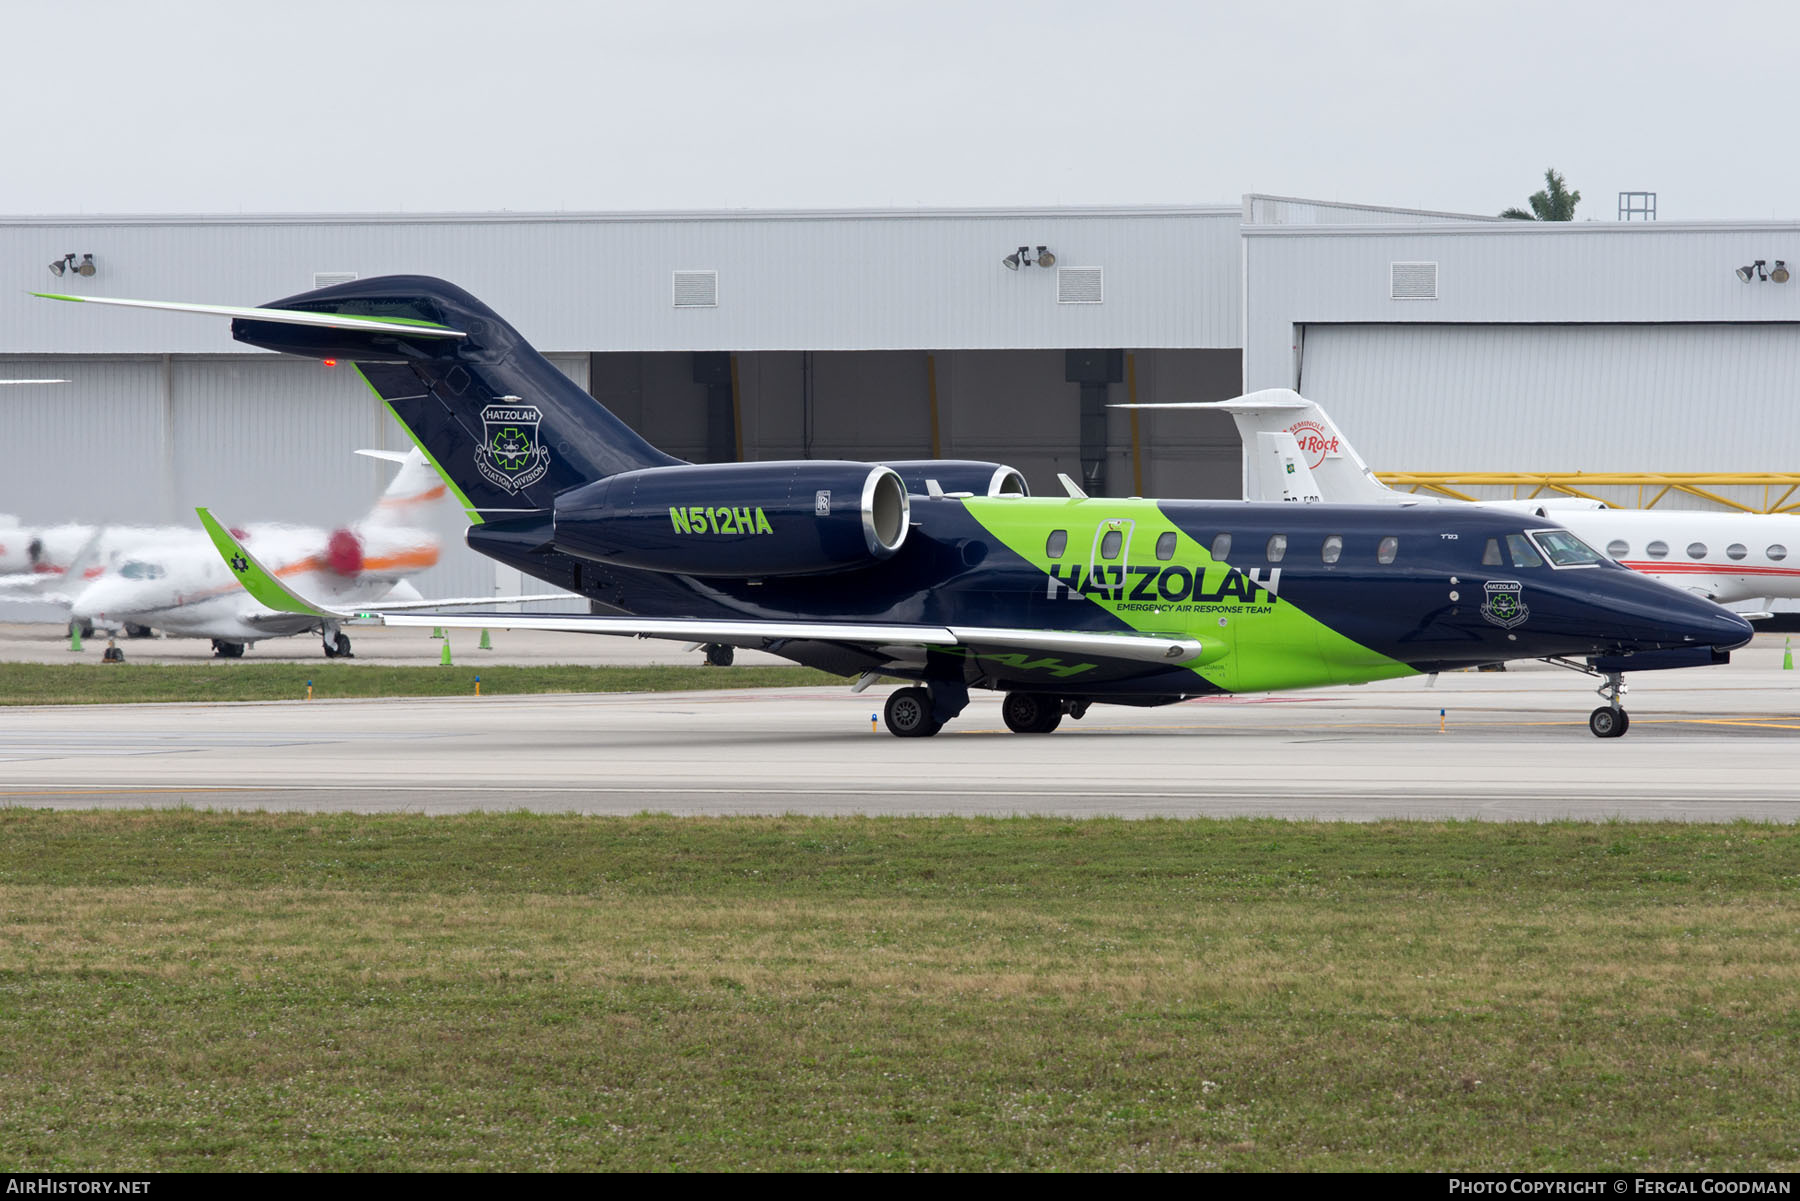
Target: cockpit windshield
1564 549
138 569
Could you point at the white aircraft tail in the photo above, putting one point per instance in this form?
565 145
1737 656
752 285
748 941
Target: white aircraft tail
410 494
1279 458
1338 474
1338 471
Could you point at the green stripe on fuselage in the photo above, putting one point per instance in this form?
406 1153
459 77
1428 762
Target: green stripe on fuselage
1274 645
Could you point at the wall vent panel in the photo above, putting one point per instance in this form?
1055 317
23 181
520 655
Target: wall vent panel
1080 285
696 289
1412 281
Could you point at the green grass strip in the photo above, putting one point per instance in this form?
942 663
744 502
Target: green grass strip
194 991
98 684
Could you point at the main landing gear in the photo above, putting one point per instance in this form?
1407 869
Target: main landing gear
337 645
921 712
1038 712
908 714
1610 720
223 649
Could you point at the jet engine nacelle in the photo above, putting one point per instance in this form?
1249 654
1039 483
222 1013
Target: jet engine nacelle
961 475
344 553
738 519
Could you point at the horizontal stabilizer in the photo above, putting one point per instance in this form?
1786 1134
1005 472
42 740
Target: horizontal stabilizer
392 325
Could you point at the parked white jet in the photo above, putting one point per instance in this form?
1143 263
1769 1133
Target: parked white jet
173 580
1726 557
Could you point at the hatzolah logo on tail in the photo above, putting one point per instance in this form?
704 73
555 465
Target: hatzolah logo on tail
1505 605
510 457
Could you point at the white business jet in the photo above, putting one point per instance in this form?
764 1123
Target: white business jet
1294 451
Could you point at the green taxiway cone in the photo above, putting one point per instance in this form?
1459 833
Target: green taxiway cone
1787 653
445 661
437 631
74 637
487 644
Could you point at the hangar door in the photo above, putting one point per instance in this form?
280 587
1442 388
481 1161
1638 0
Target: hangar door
1560 397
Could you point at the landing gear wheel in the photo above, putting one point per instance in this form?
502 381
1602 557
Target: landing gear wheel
719 655
908 714
227 650
133 631
1031 712
1608 722
338 647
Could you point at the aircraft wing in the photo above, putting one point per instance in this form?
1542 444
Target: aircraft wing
266 587
761 634
270 590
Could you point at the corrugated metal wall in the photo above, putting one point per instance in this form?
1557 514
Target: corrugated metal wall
816 281
1588 273
142 441
1561 398
1291 210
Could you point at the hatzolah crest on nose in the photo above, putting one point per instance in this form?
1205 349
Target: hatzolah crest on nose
1505 604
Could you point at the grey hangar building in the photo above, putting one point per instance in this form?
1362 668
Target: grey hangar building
1440 343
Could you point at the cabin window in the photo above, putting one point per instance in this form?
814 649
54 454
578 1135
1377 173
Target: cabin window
1387 550
1110 543
1165 546
137 569
1564 549
1523 555
1657 550
1221 547
1735 551
1058 543
1277 547
1491 556
1696 550
1778 552
1618 548
1333 549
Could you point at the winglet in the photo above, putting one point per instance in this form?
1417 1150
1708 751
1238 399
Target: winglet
258 580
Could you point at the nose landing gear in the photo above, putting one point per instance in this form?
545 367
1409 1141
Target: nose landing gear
1610 720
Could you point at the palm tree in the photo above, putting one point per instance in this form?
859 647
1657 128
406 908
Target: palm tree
1554 203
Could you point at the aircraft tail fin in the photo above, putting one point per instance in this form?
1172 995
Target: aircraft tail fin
1340 473
1281 459
414 489
500 424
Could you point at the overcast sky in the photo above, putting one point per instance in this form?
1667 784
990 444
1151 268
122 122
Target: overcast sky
460 105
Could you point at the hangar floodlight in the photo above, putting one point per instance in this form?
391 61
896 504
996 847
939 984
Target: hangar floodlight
1753 270
67 263
1045 258
1021 255
1780 274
